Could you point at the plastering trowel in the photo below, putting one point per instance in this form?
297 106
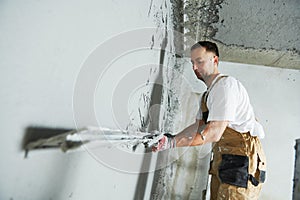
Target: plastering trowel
71 139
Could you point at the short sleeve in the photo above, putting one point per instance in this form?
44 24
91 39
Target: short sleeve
222 102
199 113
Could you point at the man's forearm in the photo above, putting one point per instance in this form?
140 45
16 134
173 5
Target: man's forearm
187 136
192 136
214 130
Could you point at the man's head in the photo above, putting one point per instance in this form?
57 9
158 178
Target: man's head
205 59
209 46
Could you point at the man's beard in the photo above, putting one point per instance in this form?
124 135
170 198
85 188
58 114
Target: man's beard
198 75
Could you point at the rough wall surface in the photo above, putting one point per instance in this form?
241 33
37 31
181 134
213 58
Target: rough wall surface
260 32
296 189
200 17
186 177
253 32
267 24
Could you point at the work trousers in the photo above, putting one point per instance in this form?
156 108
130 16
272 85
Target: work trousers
238 167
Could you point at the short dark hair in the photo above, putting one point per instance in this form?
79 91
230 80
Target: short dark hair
209 46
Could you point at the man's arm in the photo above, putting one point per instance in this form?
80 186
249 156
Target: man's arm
185 137
190 136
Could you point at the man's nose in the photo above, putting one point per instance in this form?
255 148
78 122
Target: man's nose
194 67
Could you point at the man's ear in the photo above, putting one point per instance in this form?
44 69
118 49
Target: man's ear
216 59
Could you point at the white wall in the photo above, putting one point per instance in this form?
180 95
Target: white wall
43 46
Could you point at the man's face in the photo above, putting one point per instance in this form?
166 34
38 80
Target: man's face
204 63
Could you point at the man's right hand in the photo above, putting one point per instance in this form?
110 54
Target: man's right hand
166 142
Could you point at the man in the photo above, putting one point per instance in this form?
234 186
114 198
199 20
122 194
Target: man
227 120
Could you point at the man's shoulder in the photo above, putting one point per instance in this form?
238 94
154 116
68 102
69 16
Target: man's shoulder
226 84
228 80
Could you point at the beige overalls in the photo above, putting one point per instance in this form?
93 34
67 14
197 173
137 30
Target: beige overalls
238 166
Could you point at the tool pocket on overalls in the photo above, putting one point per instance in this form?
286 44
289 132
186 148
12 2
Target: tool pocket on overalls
233 170
260 173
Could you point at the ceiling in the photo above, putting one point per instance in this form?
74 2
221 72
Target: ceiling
253 32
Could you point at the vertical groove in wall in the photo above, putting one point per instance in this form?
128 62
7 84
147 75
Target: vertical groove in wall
154 118
186 178
152 121
296 187
178 26
158 189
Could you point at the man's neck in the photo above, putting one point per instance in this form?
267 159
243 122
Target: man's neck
210 79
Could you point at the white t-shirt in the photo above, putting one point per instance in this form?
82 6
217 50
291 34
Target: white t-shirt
228 100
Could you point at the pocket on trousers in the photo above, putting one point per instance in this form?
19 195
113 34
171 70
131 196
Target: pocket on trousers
261 168
233 170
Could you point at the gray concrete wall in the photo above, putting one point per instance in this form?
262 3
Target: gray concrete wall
254 32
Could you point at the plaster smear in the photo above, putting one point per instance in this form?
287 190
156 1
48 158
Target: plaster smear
185 177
